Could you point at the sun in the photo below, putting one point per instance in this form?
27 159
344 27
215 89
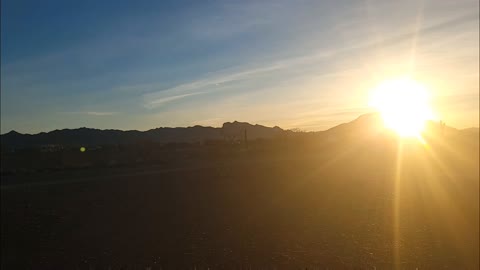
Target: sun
403 104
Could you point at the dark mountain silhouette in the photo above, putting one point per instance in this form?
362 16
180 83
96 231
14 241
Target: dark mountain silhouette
371 124
89 136
366 125
235 129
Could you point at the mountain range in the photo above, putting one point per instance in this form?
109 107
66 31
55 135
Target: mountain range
230 131
89 136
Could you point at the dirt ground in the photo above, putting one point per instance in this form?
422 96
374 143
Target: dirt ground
355 209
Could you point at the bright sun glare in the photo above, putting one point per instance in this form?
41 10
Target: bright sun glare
403 105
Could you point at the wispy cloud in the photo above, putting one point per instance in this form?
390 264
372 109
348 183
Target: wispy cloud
93 113
150 104
202 86
213 82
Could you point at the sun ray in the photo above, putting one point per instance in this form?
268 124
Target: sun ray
413 50
396 206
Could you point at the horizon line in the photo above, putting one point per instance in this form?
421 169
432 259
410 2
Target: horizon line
234 121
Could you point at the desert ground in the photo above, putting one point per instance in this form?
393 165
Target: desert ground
363 205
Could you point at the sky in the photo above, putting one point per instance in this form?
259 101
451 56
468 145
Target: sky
294 64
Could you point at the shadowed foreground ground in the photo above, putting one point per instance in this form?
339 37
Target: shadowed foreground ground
341 209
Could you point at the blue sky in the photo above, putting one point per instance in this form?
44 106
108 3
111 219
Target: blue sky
305 64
